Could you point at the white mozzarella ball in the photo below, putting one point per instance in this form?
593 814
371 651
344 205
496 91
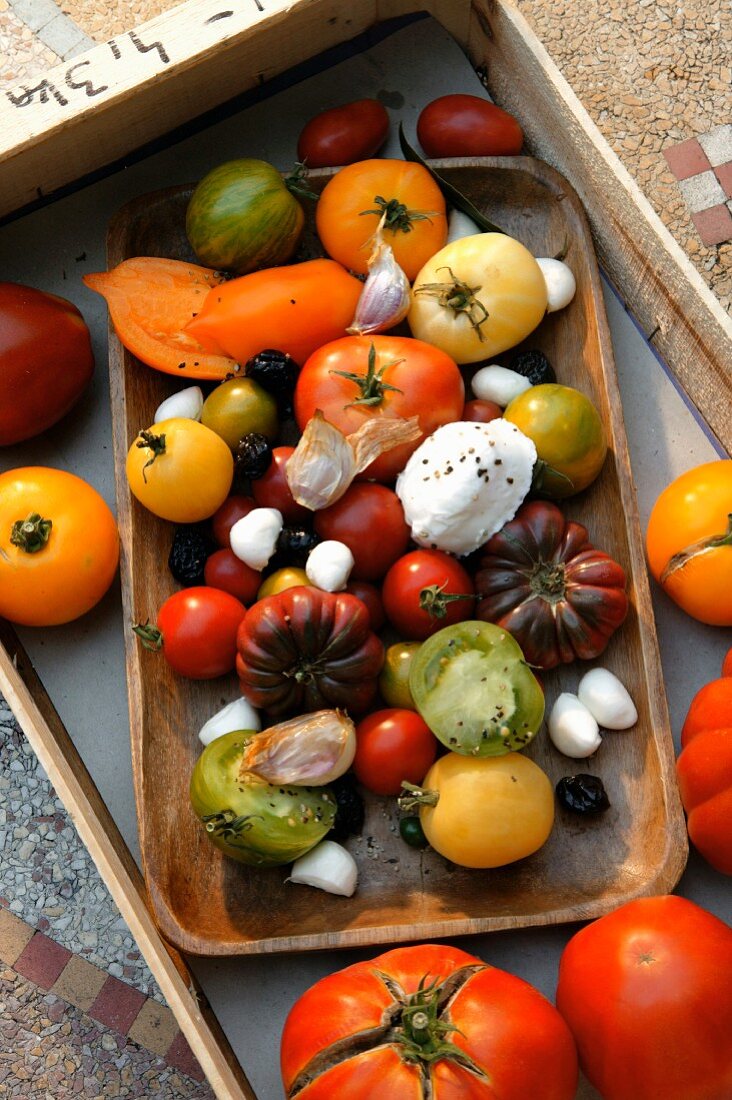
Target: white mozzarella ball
572 729
607 699
499 384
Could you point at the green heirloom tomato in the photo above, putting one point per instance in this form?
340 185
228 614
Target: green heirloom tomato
473 688
251 820
237 407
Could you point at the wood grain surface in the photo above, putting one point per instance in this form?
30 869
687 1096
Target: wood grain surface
206 904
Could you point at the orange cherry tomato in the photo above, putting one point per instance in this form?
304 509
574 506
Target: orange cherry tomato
58 564
354 200
295 309
689 542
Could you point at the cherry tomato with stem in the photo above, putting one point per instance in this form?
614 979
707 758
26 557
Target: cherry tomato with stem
426 590
392 746
196 630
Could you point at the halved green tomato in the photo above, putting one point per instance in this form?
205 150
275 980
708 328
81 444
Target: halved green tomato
473 688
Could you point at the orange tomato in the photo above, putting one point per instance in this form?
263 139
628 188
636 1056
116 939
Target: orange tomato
689 542
353 201
57 564
704 771
710 709
295 309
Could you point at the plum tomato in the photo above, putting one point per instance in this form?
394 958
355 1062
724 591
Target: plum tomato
272 491
369 595
225 571
391 746
234 508
343 135
196 629
481 412
46 360
426 590
369 519
394 676
467 126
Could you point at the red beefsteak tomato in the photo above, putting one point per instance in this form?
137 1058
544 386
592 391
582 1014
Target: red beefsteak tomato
647 993
426 1021
304 649
365 377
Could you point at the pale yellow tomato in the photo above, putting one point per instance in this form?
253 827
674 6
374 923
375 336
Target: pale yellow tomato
282 579
180 470
477 297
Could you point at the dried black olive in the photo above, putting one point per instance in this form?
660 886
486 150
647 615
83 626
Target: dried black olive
350 811
534 365
583 794
253 456
192 546
276 372
293 546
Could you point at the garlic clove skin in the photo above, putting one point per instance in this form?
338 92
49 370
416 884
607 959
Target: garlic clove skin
329 565
460 225
186 404
328 866
607 699
239 715
561 285
572 729
253 538
386 295
499 384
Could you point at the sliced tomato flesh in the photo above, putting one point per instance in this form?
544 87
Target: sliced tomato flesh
150 301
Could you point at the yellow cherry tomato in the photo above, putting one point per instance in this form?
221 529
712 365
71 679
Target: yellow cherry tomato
477 297
488 811
180 470
281 579
394 678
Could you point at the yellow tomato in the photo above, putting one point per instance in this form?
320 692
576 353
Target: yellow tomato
282 579
489 810
237 407
180 470
394 678
477 297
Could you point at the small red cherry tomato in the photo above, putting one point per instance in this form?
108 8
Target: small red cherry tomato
225 571
370 595
482 412
467 126
369 519
197 631
224 518
393 745
343 135
272 490
419 593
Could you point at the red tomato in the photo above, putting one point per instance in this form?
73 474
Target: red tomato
234 508
272 490
343 135
647 993
704 772
46 360
727 664
198 627
392 745
225 571
518 1046
467 126
400 378
369 519
421 581
369 595
481 412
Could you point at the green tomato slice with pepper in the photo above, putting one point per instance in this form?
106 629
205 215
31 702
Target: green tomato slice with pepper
473 688
249 819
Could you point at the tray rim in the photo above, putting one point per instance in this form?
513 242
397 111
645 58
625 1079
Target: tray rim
668 871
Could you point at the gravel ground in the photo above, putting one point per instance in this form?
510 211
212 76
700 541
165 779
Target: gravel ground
50 1050
46 874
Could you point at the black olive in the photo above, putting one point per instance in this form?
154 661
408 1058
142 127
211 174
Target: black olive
192 546
412 833
583 794
276 372
534 365
350 811
253 456
293 546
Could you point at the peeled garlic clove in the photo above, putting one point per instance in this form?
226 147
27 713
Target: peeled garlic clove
328 866
499 384
607 699
460 225
186 404
308 751
560 283
329 565
386 295
239 715
572 729
322 465
253 538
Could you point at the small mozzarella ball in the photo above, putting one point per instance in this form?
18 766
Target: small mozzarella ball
327 866
560 283
186 404
329 565
253 538
460 225
607 699
239 715
499 384
572 728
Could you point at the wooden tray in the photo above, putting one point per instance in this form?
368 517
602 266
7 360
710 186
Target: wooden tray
206 904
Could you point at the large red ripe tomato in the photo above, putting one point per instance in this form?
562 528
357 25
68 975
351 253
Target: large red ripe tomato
647 993
420 590
426 1020
467 126
369 519
400 377
45 360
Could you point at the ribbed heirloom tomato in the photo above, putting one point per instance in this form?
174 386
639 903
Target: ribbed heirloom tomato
426 1021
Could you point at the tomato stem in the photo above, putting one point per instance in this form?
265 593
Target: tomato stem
542 472
371 384
396 216
416 797
156 443
434 600
295 182
226 825
32 533
702 546
149 635
459 297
